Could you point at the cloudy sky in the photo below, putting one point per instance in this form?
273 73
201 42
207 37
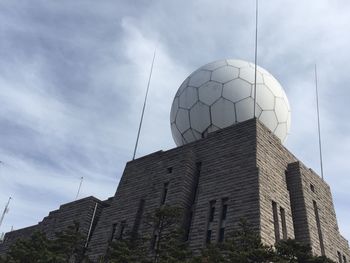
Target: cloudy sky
73 76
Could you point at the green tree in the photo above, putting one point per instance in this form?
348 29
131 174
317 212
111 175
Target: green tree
167 242
245 246
213 253
168 239
69 245
35 249
295 252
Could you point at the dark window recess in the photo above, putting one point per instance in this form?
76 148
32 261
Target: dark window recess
196 181
138 218
193 199
188 227
344 259
286 178
208 239
154 242
275 221
121 230
319 229
339 257
223 216
224 212
212 211
165 193
312 188
284 225
221 234
113 233
170 170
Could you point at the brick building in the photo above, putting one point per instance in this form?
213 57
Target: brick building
242 171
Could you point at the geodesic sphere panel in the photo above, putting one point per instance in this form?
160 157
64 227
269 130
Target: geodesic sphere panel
221 94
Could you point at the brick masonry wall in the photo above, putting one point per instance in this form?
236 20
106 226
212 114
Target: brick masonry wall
228 170
244 163
80 211
272 160
287 181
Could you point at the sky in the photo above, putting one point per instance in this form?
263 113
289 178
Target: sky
73 76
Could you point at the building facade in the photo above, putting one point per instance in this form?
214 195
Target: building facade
242 171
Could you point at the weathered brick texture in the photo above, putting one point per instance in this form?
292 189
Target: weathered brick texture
245 165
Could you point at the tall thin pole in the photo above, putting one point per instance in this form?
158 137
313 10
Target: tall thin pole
5 211
256 52
144 105
81 182
318 123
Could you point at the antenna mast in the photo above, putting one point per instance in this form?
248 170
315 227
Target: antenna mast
6 210
318 124
144 105
81 182
256 51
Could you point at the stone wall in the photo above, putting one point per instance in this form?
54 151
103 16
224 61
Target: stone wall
226 160
80 211
243 166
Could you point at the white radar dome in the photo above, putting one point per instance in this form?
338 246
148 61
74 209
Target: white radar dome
221 94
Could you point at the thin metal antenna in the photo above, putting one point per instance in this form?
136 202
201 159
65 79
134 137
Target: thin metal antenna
256 52
318 124
6 210
81 182
144 105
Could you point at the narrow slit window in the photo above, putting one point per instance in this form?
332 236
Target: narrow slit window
212 211
319 228
275 221
208 239
223 217
113 233
211 215
221 234
344 259
193 198
122 230
339 257
284 225
154 242
165 193
312 187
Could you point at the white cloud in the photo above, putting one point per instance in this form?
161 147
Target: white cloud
73 77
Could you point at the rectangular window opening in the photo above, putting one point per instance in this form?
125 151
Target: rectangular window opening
275 221
339 257
154 242
165 193
212 211
312 187
122 230
223 216
113 233
193 199
138 218
319 228
208 239
170 170
284 225
221 235
344 259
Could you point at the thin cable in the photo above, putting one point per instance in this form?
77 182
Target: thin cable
256 54
318 124
144 105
